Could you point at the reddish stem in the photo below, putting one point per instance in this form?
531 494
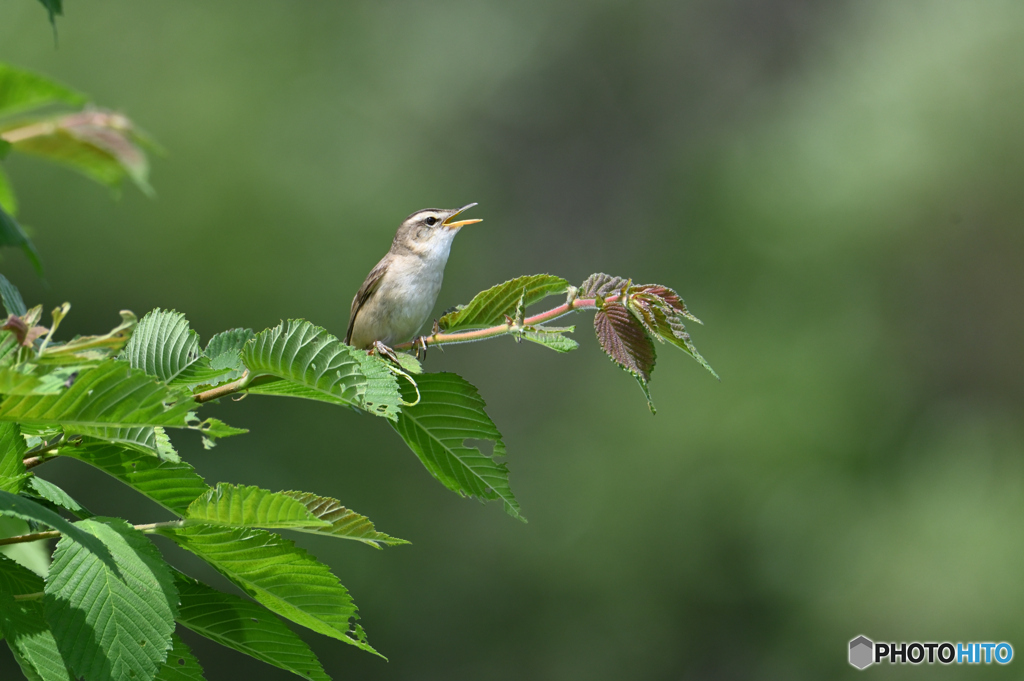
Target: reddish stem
502 329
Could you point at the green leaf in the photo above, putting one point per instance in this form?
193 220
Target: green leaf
214 429
102 145
341 522
12 454
164 346
54 8
225 352
23 90
91 348
111 623
110 395
11 234
551 337
181 664
491 306
33 555
409 363
624 339
151 440
26 509
244 626
245 506
44 489
13 304
172 484
32 379
451 411
284 578
8 200
315 365
23 625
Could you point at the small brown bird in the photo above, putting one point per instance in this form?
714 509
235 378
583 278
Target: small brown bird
396 299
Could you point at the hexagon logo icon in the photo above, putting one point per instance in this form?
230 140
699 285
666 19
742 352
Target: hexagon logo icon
862 652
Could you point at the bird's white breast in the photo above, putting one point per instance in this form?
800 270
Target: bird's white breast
415 280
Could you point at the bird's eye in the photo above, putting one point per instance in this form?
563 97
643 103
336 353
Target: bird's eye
431 221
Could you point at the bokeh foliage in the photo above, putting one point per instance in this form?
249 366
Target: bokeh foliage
835 186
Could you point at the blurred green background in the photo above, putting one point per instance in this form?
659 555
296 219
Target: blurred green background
834 187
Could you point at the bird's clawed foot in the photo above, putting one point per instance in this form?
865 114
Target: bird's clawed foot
384 351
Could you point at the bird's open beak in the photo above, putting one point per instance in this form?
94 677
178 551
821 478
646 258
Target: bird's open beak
460 223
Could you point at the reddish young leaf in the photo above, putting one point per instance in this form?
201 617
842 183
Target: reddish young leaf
602 285
25 334
662 296
626 342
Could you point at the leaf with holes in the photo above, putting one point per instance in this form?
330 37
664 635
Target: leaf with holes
284 578
181 664
172 484
244 626
298 359
626 342
247 506
215 429
341 522
23 624
451 411
111 623
163 345
490 307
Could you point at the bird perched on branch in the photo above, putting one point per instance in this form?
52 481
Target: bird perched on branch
396 299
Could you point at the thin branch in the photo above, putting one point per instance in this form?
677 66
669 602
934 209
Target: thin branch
42 453
503 329
51 534
221 391
35 536
33 461
153 527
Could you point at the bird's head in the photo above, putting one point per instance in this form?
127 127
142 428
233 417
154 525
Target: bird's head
430 231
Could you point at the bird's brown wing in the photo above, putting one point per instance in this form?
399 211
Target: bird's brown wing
362 295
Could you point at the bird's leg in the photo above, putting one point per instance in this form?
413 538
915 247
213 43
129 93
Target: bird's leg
434 331
421 344
384 351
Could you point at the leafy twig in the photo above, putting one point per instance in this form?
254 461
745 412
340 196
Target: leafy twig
508 328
